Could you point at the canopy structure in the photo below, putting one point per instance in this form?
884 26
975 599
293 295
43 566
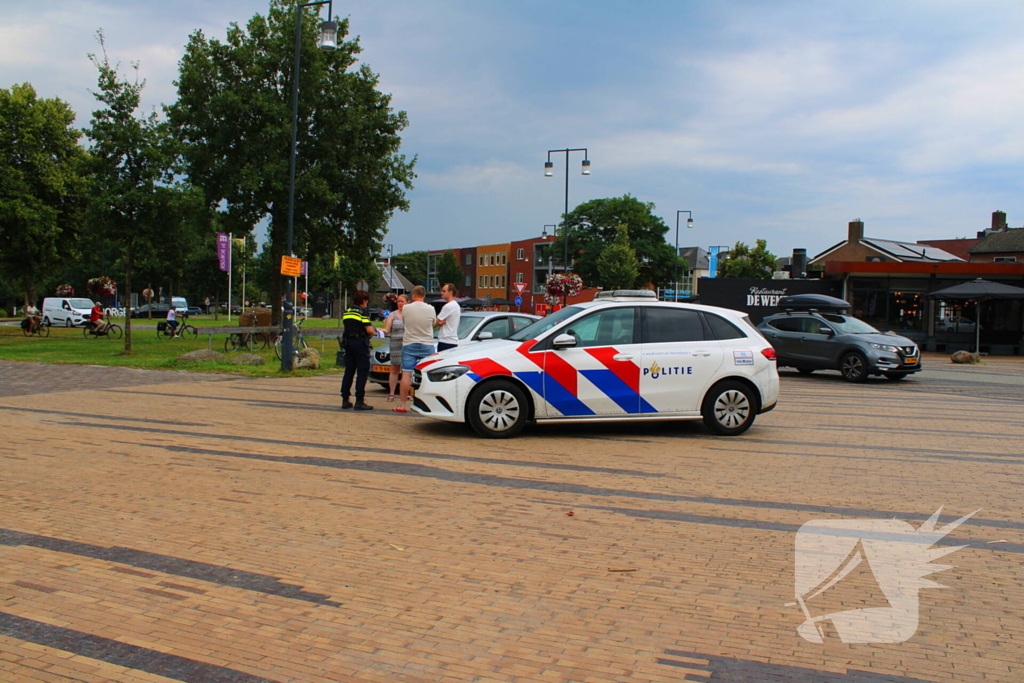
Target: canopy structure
978 291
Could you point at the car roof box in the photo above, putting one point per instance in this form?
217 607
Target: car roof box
812 302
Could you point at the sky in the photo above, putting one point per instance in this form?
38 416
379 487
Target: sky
772 120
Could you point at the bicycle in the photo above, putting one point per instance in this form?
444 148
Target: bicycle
298 341
42 328
184 330
112 330
252 341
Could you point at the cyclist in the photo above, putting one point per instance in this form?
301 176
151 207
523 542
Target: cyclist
96 321
172 321
32 316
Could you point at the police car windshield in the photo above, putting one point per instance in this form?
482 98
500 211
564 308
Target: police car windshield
848 324
544 324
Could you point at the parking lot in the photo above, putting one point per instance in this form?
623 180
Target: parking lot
158 526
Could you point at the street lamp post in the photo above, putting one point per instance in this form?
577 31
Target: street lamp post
549 167
328 43
689 224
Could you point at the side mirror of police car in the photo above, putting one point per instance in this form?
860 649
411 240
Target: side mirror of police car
564 341
485 335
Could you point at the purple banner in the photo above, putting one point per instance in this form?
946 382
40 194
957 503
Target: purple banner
305 268
224 251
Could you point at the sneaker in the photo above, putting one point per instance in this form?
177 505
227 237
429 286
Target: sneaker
346 404
363 406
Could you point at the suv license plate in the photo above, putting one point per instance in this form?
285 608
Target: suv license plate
910 361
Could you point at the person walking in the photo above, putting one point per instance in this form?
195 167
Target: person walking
356 342
394 328
417 342
451 312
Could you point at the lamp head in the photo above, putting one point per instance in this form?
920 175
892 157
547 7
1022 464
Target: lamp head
329 36
689 222
586 167
549 169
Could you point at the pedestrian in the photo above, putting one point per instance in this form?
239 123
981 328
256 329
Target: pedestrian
417 342
394 328
356 342
451 312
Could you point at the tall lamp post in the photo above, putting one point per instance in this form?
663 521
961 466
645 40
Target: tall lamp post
328 43
689 224
549 170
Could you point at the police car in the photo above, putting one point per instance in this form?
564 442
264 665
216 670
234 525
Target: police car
623 356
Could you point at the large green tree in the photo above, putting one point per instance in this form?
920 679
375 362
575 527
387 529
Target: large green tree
746 262
617 267
449 269
132 202
593 225
413 265
234 113
42 187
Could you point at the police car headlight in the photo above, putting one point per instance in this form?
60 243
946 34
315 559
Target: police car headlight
447 374
885 347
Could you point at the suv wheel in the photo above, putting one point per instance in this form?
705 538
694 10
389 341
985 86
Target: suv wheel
729 408
497 410
854 367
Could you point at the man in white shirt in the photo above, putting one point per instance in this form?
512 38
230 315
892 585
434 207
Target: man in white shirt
417 340
448 338
172 321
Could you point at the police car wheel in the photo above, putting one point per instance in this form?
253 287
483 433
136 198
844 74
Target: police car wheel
729 408
497 410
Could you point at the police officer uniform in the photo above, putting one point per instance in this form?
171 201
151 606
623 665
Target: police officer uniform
356 344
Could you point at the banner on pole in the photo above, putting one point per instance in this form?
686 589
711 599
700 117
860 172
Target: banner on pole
224 251
291 267
305 268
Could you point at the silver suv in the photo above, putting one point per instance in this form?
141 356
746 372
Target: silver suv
813 334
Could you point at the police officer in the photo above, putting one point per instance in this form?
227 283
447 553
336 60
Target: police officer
356 342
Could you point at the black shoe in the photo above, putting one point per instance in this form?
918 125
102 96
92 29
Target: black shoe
363 406
345 404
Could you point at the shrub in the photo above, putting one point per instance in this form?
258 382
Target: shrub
3 312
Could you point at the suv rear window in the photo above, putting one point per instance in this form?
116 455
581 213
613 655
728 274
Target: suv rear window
787 324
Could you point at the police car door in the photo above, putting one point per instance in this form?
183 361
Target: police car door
680 359
598 375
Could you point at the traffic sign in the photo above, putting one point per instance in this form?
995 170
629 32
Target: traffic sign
291 267
520 286
363 285
518 301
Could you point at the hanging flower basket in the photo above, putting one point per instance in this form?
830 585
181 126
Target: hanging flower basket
65 290
101 286
391 297
560 286
147 293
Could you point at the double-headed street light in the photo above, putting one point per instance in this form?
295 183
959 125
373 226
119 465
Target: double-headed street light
689 224
549 170
328 43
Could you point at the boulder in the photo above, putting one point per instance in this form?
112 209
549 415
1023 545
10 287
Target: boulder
308 359
203 355
965 357
248 359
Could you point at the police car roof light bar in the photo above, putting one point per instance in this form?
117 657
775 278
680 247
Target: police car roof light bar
627 294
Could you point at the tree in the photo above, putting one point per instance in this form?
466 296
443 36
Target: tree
746 262
413 265
594 224
449 270
234 114
617 267
42 186
131 163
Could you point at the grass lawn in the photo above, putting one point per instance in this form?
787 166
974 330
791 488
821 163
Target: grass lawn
69 345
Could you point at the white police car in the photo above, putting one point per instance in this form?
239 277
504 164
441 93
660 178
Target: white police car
623 356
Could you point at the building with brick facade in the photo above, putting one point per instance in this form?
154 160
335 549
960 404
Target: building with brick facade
492 271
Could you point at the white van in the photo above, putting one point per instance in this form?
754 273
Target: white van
180 304
69 312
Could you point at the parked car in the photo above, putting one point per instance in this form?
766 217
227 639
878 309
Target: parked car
955 323
195 310
159 310
474 326
812 335
623 356
66 311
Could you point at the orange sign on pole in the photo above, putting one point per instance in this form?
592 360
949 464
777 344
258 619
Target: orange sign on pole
291 266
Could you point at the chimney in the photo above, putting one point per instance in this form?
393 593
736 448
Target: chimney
798 269
998 221
856 231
